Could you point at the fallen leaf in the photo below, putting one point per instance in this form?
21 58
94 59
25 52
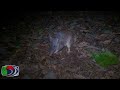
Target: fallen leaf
83 44
106 41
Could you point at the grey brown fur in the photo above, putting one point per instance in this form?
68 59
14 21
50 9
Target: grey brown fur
60 40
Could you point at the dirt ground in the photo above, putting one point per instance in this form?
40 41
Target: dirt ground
95 32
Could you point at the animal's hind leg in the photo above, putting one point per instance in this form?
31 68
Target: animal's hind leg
68 47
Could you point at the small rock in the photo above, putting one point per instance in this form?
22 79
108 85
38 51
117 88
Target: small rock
50 75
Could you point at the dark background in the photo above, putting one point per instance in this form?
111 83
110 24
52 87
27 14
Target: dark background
11 11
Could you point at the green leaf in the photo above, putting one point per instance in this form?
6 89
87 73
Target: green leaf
105 59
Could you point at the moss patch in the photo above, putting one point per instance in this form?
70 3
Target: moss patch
105 59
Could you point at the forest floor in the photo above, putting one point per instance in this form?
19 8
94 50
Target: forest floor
25 43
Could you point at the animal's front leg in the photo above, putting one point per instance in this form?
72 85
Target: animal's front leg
56 51
68 48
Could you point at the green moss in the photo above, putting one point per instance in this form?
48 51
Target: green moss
105 59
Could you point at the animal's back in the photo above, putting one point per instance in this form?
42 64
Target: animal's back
64 36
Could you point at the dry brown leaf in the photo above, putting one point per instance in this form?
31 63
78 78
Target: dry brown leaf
83 44
106 41
101 36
